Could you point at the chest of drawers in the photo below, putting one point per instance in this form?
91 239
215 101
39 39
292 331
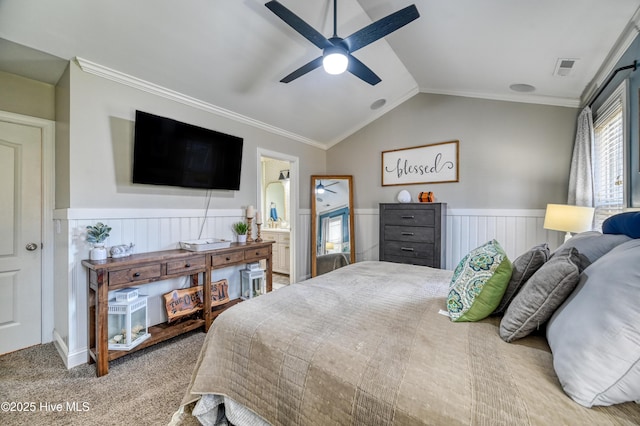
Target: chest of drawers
413 233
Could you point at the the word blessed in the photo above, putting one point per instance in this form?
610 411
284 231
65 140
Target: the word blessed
405 168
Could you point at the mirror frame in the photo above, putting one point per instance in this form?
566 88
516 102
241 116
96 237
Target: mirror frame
314 225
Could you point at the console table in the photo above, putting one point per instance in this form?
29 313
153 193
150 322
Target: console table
138 269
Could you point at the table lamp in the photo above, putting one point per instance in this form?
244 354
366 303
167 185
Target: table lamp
566 218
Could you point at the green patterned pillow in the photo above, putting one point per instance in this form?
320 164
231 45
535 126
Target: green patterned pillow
479 282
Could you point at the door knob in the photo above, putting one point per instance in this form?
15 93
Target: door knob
31 246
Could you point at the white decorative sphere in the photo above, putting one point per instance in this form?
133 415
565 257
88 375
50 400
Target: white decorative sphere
404 196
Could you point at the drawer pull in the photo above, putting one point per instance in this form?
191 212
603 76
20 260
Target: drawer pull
228 258
257 253
408 233
187 265
408 217
406 248
137 274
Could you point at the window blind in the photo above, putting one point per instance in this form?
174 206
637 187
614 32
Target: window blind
608 155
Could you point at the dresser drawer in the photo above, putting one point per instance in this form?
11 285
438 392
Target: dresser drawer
185 265
407 249
410 217
255 254
125 276
409 233
227 259
413 261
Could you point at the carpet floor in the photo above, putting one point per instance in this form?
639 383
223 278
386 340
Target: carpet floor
143 388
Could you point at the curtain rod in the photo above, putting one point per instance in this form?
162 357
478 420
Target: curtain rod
611 77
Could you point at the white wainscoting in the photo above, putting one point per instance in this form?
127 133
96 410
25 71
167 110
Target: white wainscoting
149 230
517 230
156 229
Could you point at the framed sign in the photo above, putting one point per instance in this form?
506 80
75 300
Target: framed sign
435 163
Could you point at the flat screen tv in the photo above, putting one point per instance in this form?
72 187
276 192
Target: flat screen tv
169 152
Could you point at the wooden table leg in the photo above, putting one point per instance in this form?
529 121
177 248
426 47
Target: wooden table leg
102 327
206 303
269 271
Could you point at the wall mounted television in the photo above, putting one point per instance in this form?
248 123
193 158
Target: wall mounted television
169 152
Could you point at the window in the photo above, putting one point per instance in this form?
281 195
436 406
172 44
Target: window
334 237
608 156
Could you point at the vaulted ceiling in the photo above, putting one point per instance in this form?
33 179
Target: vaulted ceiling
232 53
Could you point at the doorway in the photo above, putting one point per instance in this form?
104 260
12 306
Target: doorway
278 189
26 145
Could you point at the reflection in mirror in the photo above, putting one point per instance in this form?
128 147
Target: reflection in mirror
276 208
332 235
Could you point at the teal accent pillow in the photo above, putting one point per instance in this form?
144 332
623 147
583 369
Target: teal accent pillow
478 283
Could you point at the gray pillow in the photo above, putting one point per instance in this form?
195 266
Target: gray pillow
593 244
595 334
523 268
547 288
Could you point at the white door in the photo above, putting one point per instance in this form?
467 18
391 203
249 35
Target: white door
20 236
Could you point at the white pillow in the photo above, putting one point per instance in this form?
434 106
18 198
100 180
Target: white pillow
595 335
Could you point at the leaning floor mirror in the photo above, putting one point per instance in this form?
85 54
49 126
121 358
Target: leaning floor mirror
332 235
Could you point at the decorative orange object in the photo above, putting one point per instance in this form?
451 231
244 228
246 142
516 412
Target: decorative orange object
425 197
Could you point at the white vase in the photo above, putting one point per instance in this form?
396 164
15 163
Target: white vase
98 252
404 196
242 238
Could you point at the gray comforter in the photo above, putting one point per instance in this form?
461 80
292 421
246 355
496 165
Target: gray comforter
366 345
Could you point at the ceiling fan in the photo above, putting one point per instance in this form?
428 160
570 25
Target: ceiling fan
337 52
320 188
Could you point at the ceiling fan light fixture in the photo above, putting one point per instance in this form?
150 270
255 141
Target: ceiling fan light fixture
335 61
336 52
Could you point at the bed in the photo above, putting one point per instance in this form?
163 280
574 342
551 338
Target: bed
367 344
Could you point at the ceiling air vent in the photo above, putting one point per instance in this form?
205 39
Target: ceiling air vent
564 67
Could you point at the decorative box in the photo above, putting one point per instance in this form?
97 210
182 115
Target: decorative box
186 301
127 323
127 295
204 245
252 283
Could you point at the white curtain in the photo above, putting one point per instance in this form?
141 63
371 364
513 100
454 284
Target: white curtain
581 191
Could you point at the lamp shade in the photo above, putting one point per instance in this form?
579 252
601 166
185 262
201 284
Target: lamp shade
566 218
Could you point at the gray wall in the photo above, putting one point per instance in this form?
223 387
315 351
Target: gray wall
63 127
512 155
24 96
102 115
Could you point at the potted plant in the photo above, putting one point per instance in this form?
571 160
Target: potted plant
96 235
241 228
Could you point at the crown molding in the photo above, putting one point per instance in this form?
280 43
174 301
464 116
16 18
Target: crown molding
146 86
527 99
619 48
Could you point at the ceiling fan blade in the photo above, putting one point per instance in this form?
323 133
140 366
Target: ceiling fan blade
328 190
295 22
362 71
381 28
310 66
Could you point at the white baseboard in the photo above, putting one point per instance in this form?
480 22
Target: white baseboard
70 359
